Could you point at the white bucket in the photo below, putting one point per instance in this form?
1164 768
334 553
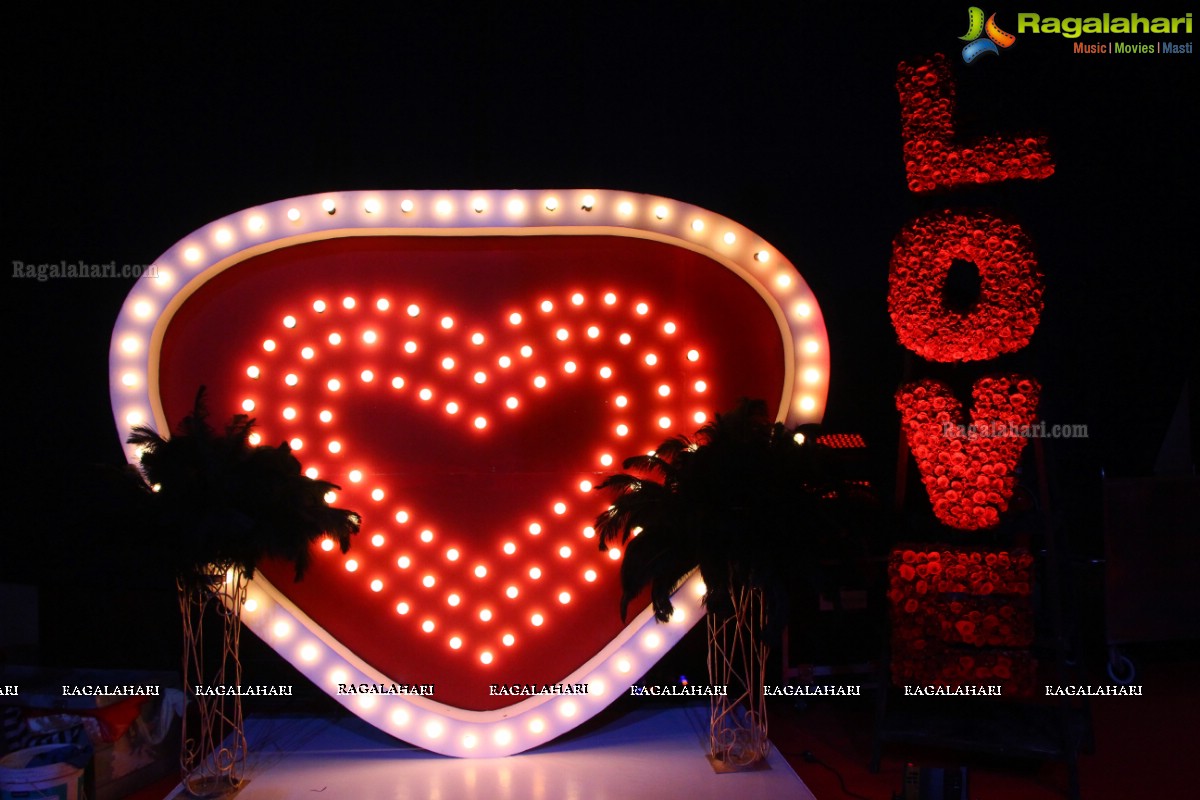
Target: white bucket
58 781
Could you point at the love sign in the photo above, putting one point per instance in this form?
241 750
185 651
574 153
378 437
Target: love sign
968 478
466 366
947 602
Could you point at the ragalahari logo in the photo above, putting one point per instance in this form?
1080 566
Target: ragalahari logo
976 28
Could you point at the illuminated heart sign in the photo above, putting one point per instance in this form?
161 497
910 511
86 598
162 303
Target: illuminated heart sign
467 365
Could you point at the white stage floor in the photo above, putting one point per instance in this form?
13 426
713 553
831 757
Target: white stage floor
654 753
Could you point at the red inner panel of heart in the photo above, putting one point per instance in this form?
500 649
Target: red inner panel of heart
465 393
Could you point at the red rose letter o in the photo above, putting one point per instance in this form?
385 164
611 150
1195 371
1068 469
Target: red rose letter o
1010 296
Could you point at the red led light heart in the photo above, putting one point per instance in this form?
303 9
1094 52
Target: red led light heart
481 382
466 381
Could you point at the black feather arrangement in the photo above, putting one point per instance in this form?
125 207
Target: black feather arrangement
747 500
224 503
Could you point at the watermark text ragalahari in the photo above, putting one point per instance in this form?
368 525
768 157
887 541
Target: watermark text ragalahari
119 690
1103 690
994 690
679 690
997 430
238 690
75 270
419 689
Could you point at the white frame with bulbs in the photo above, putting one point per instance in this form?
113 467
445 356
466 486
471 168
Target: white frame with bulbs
220 245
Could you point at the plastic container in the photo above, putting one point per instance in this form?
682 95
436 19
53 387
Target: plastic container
60 781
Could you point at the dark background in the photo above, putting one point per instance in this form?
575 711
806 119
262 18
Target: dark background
126 130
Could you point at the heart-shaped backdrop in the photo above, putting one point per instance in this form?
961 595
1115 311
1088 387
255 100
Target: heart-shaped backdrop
466 386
